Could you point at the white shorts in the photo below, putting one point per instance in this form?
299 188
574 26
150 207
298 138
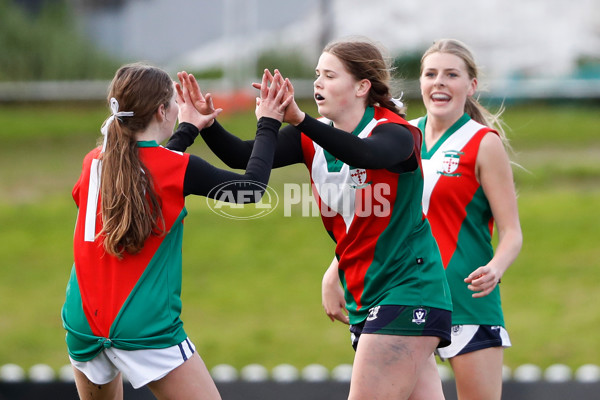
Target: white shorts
139 367
468 338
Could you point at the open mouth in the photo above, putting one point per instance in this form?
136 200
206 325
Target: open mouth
318 97
440 97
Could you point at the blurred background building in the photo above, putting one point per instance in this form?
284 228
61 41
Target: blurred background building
537 38
524 47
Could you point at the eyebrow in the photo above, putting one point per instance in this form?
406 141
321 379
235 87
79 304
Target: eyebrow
324 71
443 69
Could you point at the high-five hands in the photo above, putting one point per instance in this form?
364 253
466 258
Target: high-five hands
273 98
190 92
292 114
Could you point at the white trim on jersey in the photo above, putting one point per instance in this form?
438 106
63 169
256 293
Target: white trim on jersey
92 201
337 189
433 166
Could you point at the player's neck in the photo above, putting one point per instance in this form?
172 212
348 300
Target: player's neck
435 129
152 132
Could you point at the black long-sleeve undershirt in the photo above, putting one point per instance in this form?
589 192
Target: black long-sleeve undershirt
390 146
201 177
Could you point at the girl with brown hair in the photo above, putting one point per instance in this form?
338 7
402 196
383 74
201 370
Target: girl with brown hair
365 169
123 303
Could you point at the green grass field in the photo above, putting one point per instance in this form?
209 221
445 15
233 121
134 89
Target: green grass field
251 289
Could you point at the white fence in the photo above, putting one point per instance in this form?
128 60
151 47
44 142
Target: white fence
314 382
571 89
557 373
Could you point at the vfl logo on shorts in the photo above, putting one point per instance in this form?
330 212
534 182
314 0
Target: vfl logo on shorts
373 313
419 316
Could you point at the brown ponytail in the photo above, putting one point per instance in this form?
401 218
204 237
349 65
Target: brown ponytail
131 209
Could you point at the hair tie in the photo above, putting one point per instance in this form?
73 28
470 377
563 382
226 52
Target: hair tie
398 102
114 108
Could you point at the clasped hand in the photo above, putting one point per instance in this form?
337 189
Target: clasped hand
291 112
274 96
276 100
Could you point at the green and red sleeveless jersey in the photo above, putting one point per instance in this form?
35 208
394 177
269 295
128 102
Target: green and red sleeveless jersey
134 302
460 217
386 252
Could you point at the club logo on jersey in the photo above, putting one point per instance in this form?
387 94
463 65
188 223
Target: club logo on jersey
373 313
359 177
419 316
450 163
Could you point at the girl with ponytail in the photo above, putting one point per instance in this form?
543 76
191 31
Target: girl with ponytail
468 187
123 300
365 167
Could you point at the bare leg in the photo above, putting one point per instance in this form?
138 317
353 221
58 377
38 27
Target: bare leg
429 384
88 390
388 366
479 374
190 381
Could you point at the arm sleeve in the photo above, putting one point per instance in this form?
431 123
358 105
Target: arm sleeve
235 152
202 178
390 146
183 137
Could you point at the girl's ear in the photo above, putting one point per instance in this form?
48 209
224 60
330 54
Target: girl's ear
161 113
472 87
363 88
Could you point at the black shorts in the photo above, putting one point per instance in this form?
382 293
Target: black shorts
468 338
405 321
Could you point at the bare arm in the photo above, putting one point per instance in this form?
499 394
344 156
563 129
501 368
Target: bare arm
496 178
332 294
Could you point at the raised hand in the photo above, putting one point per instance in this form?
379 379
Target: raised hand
293 115
273 100
202 103
193 107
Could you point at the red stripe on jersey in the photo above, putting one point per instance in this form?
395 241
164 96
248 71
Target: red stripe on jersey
356 247
106 282
446 225
308 149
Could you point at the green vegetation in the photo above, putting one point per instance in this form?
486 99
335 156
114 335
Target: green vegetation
290 62
408 65
251 289
50 48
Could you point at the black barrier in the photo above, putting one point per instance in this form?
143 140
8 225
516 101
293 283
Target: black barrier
300 390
